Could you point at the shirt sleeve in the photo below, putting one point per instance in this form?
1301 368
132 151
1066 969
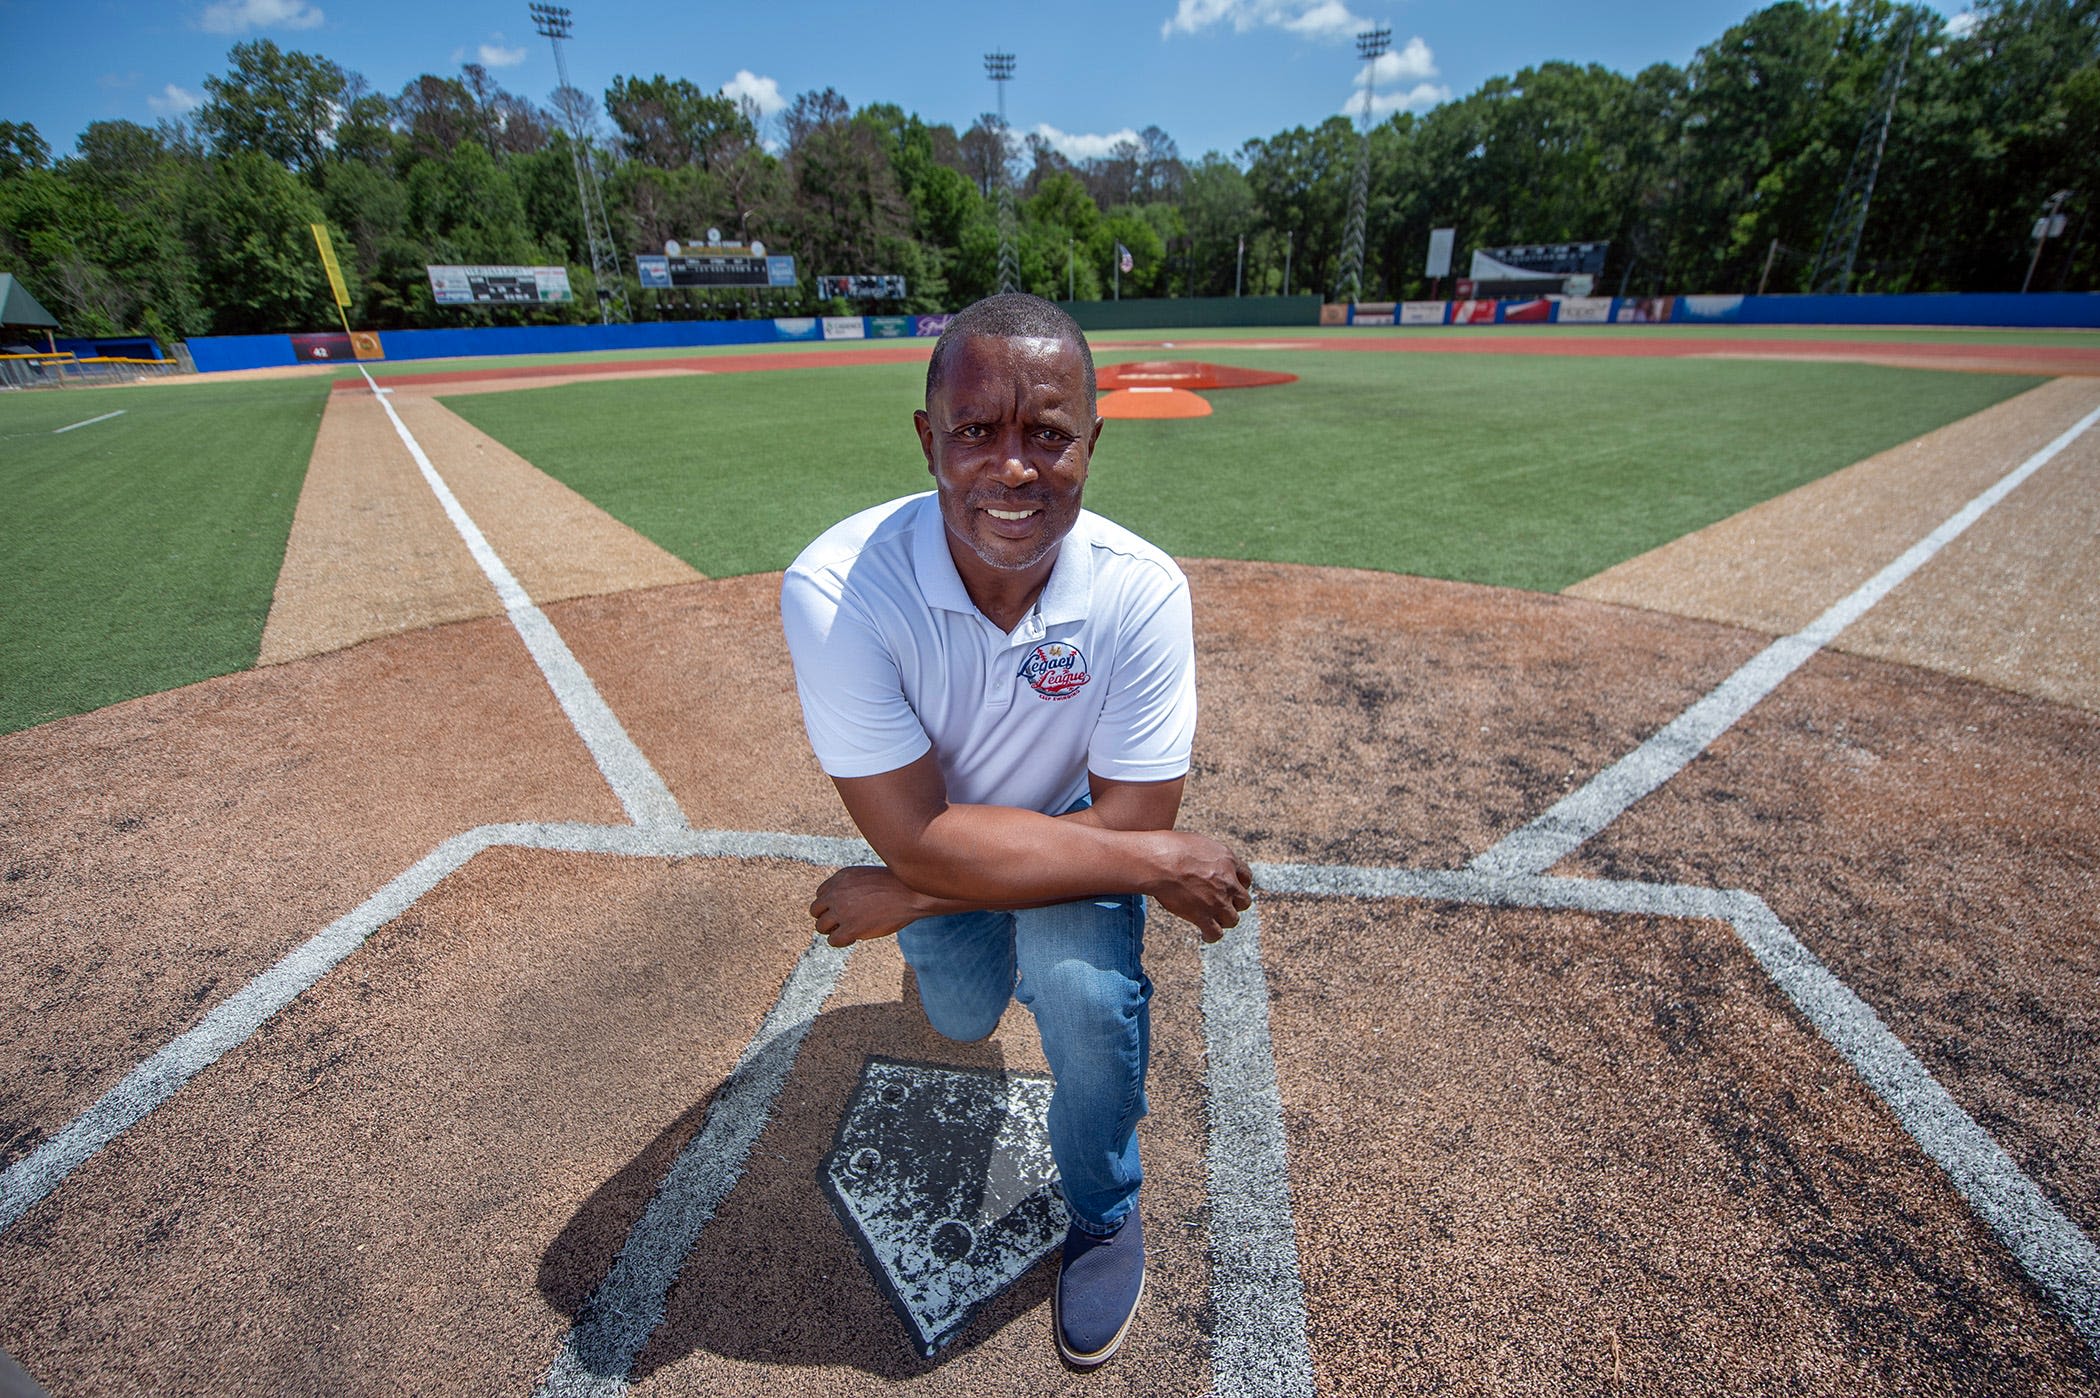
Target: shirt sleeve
853 705
1148 723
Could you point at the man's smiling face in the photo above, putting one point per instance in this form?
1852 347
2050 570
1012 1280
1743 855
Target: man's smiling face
1008 435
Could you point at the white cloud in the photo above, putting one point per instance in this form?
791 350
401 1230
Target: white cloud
174 101
1317 19
494 55
762 93
240 16
1075 147
1419 98
1413 65
1964 24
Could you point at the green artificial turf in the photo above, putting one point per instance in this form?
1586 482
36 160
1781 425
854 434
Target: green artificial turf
141 553
733 473
1521 472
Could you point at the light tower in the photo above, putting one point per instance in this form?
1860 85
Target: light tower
1370 47
999 67
553 22
1848 220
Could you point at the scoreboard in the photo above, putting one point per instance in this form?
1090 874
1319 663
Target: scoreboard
498 285
660 272
862 288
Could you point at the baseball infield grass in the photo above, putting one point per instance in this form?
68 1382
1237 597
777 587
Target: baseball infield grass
1518 472
141 552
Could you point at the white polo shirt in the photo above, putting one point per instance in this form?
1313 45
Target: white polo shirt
893 658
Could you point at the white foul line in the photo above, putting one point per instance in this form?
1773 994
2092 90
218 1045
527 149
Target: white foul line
89 423
641 791
233 1020
1258 1341
1587 810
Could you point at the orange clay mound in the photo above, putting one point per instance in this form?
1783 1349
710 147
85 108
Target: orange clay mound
1153 403
1185 373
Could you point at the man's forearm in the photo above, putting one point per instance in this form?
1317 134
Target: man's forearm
971 857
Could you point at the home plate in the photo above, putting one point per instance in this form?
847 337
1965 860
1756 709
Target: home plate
1150 402
943 1176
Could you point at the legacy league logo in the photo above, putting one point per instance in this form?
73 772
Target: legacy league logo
1055 670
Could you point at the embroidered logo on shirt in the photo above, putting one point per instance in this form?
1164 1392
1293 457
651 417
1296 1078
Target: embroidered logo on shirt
1055 670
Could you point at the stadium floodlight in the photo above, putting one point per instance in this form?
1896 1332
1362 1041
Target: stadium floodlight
554 24
1371 45
999 67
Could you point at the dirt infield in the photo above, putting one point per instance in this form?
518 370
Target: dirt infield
1530 1150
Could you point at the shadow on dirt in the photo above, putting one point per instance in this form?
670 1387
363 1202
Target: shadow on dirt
774 1277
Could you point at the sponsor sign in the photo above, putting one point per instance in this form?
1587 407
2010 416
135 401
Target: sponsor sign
889 327
365 344
1533 312
1584 310
929 325
1539 261
844 328
323 347
1422 313
1371 313
796 328
498 285
1331 314
1473 312
1643 310
780 271
1710 308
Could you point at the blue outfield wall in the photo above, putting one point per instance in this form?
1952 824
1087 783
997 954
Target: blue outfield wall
2040 310
2005 310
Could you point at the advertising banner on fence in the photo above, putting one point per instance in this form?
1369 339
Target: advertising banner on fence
1710 308
929 325
1371 313
1643 310
1584 310
1472 312
1537 311
498 286
323 347
889 327
1332 314
1421 313
796 328
844 328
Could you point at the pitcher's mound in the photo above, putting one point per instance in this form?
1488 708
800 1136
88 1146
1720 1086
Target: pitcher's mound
1185 374
1153 403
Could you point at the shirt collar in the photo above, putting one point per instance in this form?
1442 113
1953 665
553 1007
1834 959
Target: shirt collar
1067 595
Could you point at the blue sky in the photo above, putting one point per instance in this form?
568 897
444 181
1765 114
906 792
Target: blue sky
1212 73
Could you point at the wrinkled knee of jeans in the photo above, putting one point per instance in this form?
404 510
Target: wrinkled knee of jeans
1076 993
963 1026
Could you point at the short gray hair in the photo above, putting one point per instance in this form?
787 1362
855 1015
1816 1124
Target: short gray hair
1012 315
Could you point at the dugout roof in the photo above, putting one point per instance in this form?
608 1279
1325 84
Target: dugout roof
18 307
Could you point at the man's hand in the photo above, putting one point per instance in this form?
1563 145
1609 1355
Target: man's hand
862 901
1202 882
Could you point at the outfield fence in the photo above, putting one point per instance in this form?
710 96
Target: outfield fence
65 368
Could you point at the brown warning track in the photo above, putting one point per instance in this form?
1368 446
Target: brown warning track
1530 1152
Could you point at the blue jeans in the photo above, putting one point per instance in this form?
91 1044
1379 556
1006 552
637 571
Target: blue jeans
1076 966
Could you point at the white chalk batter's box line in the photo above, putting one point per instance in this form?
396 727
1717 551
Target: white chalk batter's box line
2051 1249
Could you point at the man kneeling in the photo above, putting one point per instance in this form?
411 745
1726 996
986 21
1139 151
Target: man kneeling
1002 687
